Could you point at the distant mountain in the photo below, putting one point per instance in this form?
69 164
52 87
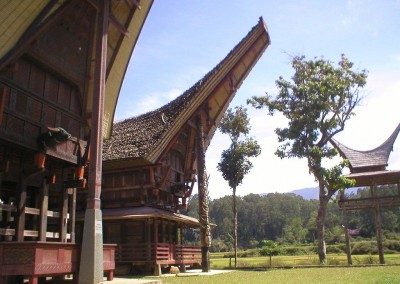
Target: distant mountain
313 192
307 193
310 193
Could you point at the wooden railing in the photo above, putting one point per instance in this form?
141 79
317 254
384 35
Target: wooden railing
40 259
160 253
11 209
185 253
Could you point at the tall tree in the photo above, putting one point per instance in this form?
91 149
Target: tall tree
317 102
235 161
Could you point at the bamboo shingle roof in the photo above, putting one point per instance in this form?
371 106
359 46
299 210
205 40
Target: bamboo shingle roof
148 135
371 160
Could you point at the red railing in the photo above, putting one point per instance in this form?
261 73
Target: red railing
160 253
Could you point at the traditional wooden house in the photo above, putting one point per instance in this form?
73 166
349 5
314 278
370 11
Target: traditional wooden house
368 168
53 55
149 164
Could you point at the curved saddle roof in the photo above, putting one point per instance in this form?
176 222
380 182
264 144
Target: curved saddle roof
371 160
147 136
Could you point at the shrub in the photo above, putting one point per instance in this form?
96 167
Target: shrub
364 248
333 261
336 249
298 250
245 253
393 245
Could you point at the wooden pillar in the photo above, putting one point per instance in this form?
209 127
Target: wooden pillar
20 218
63 214
155 234
44 203
378 223
179 240
157 267
205 229
91 264
72 214
163 232
346 232
8 221
148 239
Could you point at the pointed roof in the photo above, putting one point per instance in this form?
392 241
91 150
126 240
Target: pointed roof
371 160
147 136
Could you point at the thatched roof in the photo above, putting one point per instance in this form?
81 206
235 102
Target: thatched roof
371 160
147 136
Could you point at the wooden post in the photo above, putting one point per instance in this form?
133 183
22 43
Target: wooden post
378 223
63 214
148 239
205 230
163 233
20 218
72 215
157 267
8 219
346 232
91 264
44 204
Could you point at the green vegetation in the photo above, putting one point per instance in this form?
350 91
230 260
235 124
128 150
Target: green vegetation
289 220
235 161
299 276
317 102
222 262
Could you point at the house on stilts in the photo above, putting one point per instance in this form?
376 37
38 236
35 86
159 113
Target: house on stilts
150 169
52 69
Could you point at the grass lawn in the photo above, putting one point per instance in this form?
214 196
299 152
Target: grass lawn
376 274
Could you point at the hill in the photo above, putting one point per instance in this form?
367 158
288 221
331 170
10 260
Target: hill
310 193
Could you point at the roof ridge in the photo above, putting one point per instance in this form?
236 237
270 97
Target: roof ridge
199 83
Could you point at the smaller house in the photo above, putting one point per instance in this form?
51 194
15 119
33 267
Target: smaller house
149 165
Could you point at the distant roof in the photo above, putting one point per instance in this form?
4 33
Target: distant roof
371 160
146 136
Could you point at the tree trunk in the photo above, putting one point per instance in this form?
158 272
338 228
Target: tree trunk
235 226
323 202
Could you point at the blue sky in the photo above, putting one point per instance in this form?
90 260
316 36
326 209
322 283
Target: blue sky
184 39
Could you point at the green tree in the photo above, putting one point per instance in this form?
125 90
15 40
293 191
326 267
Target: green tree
269 248
318 102
235 161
